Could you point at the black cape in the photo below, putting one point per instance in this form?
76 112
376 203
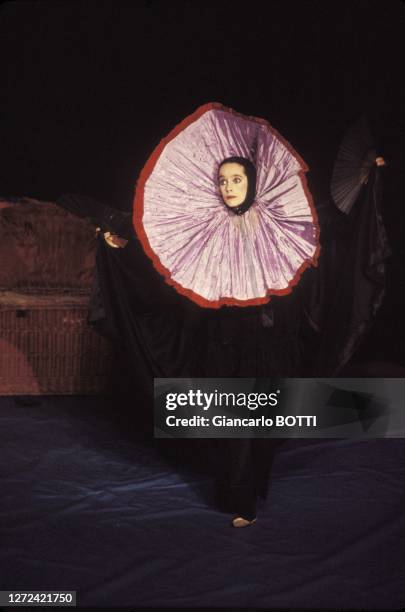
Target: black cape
313 331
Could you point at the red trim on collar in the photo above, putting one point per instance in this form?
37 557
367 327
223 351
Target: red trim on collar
138 210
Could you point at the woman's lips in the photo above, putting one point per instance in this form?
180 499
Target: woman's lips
230 197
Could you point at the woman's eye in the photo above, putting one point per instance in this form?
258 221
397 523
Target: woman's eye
236 180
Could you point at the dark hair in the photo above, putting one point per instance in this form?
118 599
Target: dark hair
250 172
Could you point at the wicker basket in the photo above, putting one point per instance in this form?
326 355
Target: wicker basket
46 344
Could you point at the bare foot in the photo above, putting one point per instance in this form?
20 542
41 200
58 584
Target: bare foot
241 522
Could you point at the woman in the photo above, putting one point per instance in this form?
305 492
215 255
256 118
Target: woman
231 239
213 231
247 343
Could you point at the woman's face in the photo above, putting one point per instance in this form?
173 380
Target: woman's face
233 184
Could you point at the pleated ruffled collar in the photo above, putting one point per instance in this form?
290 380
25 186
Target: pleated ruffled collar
205 251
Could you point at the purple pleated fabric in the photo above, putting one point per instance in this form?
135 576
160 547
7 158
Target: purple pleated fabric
207 251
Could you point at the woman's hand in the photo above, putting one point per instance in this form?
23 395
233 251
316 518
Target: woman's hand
114 241
380 161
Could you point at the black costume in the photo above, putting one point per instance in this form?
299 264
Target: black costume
312 331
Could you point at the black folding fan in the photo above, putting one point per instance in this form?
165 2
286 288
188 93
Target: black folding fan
355 159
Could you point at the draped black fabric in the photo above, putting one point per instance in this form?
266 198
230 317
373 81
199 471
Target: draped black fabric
313 331
343 295
159 333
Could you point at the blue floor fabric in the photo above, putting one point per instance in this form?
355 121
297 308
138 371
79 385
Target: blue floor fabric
89 504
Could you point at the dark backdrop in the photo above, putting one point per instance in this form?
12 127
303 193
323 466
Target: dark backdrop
89 88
